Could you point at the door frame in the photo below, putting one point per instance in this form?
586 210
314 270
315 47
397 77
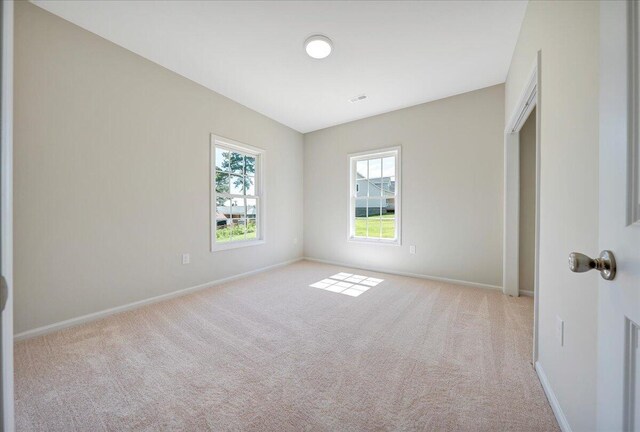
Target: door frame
6 209
529 99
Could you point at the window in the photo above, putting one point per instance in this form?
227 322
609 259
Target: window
374 210
237 194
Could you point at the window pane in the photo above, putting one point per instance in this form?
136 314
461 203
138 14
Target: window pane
237 229
375 169
223 207
223 213
360 225
388 226
389 167
361 169
375 187
389 218
237 163
361 218
362 188
389 206
389 186
375 177
252 229
373 227
222 159
373 219
373 207
223 232
250 165
237 210
251 207
222 182
237 185
249 184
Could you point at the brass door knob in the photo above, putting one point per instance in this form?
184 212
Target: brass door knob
605 264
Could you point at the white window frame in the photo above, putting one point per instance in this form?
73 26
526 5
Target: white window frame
260 193
353 159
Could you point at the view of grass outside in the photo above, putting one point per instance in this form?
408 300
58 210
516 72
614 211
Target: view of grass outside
236 231
373 224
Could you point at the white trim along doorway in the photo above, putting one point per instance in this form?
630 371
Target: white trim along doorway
529 99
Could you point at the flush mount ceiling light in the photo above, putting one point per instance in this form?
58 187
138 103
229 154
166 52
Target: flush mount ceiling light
318 46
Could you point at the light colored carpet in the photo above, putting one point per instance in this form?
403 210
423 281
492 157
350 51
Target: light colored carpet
271 353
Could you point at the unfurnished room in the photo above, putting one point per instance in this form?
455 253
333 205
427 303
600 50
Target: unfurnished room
319 215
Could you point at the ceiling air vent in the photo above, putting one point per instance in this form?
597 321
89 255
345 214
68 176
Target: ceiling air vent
358 98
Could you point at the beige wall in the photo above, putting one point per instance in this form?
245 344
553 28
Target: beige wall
527 232
452 174
567 33
112 176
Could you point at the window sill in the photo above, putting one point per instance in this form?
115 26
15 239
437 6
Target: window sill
390 242
235 245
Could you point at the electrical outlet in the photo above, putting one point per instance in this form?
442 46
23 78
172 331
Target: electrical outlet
186 259
412 249
560 330
295 240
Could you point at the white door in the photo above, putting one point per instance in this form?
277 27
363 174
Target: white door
619 221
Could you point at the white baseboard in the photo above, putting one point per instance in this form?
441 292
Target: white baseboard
526 293
553 400
414 275
105 313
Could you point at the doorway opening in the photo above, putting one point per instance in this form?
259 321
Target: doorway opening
527 211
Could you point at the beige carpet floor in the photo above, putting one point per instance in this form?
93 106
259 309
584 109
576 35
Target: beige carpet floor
271 353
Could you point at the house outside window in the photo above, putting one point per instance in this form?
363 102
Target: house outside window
374 198
237 195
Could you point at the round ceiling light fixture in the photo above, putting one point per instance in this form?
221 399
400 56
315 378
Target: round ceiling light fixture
318 46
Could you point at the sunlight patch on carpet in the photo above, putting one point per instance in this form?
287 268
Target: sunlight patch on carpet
347 284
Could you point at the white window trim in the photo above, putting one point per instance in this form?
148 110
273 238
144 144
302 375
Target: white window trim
353 158
218 141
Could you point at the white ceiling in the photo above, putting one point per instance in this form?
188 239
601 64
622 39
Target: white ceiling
397 53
